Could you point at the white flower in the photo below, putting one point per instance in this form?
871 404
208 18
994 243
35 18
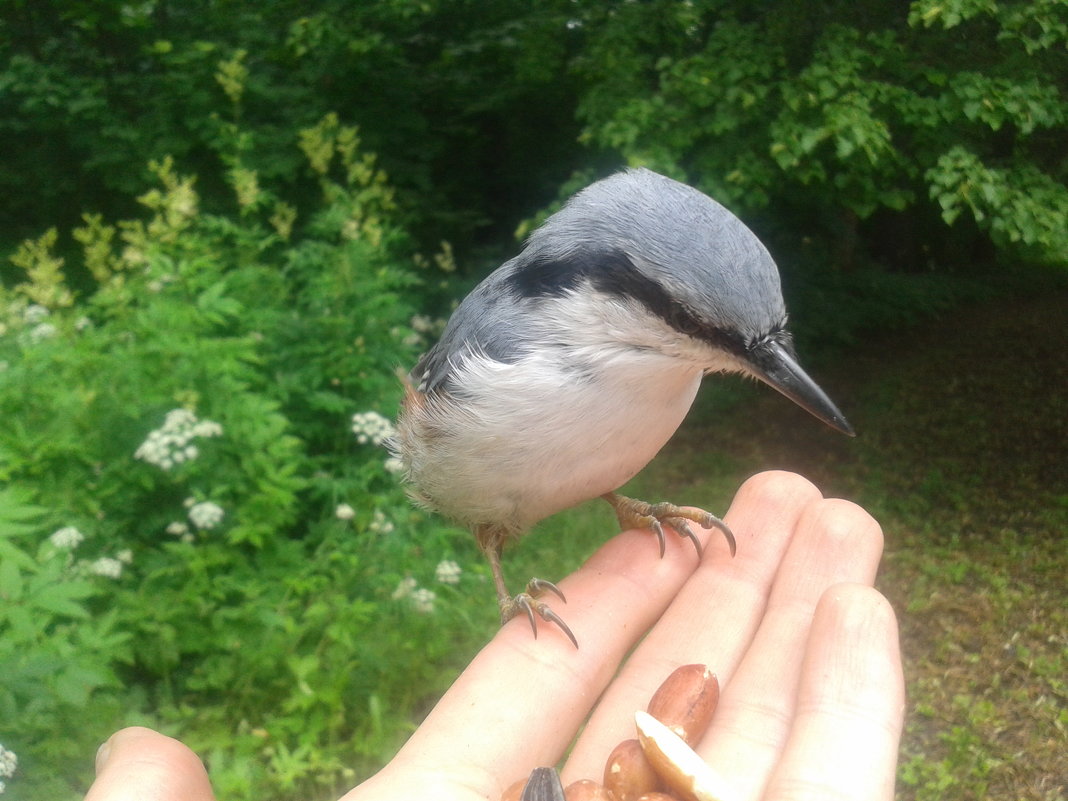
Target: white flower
405 588
106 566
8 762
125 556
423 600
344 512
171 443
394 465
371 427
66 538
42 331
207 428
380 524
177 528
34 313
447 572
83 324
177 419
206 514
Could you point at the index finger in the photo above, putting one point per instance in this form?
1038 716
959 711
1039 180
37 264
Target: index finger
714 617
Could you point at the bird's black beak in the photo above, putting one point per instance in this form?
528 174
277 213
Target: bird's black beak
773 363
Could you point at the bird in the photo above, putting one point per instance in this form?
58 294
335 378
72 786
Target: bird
566 370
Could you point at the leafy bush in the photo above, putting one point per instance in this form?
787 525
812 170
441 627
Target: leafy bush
207 419
867 124
913 135
472 113
57 657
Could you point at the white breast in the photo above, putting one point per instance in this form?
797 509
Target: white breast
566 424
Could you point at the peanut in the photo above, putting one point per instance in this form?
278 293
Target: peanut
587 790
685 701
678 765
628 774
514 790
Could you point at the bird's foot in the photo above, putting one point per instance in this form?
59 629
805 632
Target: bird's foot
528 604
633 513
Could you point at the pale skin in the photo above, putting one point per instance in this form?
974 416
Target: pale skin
806 652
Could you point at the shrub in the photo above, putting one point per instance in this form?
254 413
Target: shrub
245 569
870 125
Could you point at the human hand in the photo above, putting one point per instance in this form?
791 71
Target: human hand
806 652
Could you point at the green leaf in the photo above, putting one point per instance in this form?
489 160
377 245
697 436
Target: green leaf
60 605
9 552
11 582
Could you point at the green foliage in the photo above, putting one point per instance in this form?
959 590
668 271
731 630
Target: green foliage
1021 206
45 284
56 655
851 125
852 107
472 113
246 568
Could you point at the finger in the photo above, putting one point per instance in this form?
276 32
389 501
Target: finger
714 616
835 541
520 702
851 703
138 763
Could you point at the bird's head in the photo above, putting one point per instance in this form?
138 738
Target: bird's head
639 237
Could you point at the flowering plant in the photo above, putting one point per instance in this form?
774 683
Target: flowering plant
206 529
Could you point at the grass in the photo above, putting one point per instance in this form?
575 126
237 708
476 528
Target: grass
963 458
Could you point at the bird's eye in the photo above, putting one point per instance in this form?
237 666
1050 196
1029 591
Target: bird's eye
681 319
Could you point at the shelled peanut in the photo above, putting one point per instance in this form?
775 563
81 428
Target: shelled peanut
685 701
587 790
627 773
679 767
684 705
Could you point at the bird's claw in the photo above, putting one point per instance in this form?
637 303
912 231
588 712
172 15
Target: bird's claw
682 528
530 606
711 521
537 585
639 514
661 538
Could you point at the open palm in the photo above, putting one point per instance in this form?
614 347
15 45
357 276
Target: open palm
806 652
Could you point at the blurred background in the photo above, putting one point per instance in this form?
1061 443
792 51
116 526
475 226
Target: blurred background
227 227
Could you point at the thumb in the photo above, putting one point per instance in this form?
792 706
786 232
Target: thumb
138 763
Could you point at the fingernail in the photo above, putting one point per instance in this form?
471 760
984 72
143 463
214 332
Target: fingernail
102 754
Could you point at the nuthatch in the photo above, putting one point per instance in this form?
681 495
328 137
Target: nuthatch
566 370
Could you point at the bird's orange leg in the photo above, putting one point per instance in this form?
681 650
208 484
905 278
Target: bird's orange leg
633 513
526 601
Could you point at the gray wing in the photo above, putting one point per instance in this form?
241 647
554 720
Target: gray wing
488 322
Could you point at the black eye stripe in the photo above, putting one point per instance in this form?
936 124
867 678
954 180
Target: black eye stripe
613 273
